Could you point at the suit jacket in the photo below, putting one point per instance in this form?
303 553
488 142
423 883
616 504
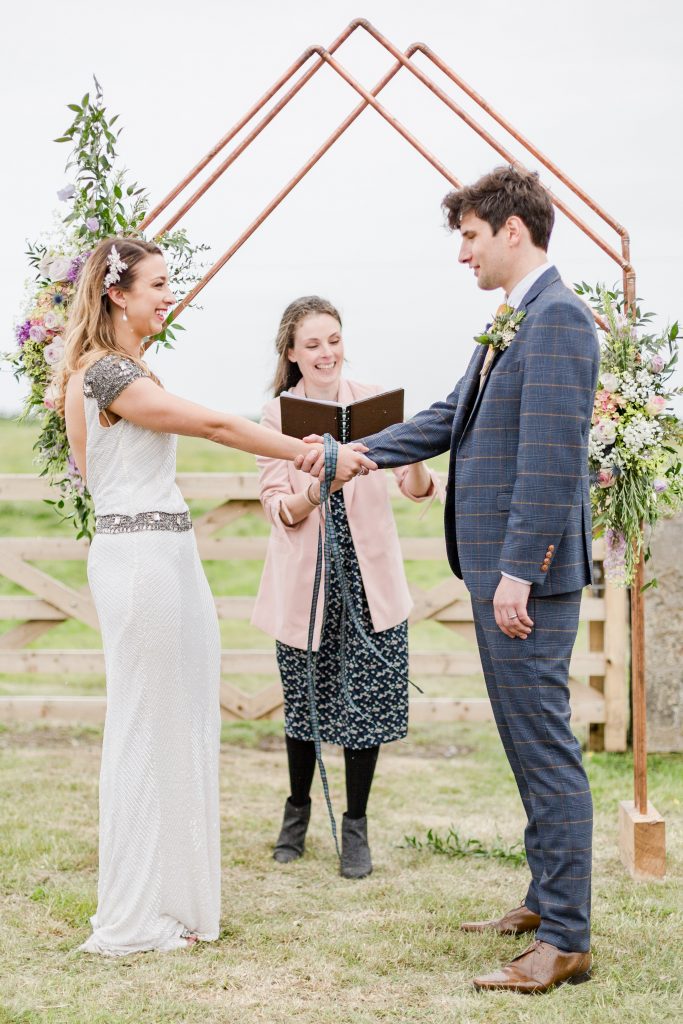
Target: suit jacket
517 498
283 604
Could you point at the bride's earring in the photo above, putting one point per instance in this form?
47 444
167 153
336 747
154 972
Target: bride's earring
124 317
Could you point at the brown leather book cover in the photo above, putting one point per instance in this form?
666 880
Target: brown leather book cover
304 416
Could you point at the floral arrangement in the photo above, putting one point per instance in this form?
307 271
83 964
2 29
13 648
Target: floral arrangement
502 331
100 204
634 446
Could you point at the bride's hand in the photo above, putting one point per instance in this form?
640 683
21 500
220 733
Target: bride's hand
350 460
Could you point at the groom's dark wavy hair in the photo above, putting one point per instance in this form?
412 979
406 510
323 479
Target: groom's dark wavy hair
505 192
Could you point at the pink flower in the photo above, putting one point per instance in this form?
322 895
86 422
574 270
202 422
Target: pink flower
655 405
606 478
50 397
656 364
37 333
604 403
53 352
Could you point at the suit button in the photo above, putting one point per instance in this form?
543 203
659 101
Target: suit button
545 566
551 547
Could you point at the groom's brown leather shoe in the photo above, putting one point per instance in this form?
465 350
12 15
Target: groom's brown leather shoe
519 920
537 969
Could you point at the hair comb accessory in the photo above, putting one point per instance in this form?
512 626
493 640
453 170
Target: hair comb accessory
116 266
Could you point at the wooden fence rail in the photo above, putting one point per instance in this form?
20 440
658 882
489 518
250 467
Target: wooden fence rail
601 700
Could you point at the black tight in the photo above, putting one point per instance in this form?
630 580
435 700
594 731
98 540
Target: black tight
360 768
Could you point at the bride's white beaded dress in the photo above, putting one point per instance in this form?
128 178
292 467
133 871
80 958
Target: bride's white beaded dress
159 856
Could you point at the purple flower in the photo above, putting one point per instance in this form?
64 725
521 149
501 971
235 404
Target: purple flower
92 224
23 332
68 192
656 364
37 333
659 484
75 268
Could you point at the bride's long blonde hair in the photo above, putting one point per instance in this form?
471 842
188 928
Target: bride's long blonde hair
90 333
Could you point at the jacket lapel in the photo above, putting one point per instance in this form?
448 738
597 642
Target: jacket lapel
470 386
550 276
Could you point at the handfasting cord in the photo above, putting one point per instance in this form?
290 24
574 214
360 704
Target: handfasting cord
330 552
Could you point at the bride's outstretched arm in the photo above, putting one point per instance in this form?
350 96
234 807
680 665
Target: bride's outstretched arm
143 402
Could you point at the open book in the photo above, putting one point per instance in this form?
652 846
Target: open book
304 416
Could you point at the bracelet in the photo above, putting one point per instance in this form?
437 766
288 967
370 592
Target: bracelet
309 499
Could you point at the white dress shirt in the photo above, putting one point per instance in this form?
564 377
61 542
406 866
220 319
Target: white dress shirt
514 299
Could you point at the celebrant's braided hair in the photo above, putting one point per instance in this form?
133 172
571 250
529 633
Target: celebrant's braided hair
287 373
90 333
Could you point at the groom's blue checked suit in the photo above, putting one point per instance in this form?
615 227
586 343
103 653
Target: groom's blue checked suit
518 502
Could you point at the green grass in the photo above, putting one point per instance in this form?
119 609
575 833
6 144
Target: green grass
299 943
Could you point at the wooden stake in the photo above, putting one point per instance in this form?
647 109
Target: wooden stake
642 831
638 696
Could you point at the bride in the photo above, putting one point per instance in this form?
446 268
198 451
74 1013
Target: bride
159 853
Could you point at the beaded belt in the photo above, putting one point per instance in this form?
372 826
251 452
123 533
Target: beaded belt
177 522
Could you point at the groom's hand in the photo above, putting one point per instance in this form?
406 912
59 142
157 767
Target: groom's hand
509 606
314 462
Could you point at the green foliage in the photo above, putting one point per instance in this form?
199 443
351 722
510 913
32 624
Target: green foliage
103 203
455 845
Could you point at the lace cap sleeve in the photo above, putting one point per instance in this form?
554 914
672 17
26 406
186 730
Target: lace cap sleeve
108 377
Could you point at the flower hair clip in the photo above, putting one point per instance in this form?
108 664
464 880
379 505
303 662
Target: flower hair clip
116 267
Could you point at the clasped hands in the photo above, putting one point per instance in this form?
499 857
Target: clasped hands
350 460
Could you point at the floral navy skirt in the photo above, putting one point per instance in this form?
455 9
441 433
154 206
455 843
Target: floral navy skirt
379 692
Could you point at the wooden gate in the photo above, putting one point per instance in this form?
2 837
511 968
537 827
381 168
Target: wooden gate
598 671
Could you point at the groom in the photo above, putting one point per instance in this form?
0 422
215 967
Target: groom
518 531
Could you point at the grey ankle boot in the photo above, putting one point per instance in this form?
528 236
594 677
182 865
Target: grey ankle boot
355 857
291 841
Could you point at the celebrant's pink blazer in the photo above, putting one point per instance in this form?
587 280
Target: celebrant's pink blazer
283 604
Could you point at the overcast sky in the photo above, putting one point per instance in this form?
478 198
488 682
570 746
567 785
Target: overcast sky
597 86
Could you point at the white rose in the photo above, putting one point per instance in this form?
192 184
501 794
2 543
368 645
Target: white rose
52 321
44 266
59 268
606 431
610 381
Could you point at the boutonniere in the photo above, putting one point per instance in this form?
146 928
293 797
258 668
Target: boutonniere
503 329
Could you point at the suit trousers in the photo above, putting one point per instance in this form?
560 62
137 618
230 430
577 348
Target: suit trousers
527 682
